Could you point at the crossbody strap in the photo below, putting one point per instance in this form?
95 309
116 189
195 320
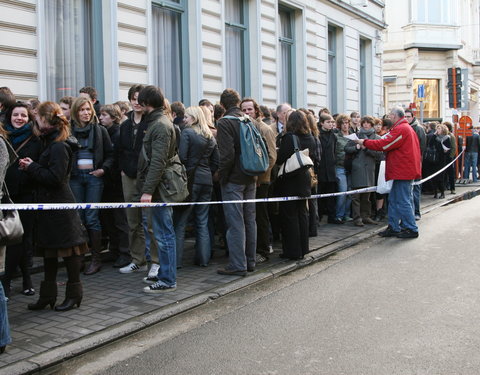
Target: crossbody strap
296 149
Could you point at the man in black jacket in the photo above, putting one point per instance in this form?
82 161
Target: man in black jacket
129 147
236 185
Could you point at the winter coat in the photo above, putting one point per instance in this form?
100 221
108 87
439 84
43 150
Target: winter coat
299 182
422 136
20 186
55 229
112 191
340 149
269 138
4 160
196 150
228 139
363 163
160 146
403 161
443 156
129 145
103 156
326 171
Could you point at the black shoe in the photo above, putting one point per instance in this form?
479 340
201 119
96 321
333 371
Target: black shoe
389 232
441 196
121 262
2 349
69 304
335 221
42 303
407 233
228 271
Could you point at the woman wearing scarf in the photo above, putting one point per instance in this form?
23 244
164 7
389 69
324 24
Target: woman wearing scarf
19 127
441 142
90 162
58 233
363 172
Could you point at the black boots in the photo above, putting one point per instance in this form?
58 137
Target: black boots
73 296
96 247
48 296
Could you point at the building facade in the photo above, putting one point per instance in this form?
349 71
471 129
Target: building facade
311 53
423 39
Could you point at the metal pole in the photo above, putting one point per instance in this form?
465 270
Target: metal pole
421 112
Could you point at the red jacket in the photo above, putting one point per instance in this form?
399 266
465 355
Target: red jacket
403 161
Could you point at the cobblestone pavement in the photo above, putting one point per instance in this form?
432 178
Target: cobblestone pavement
111 298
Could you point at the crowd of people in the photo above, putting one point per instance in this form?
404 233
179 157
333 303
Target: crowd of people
78 150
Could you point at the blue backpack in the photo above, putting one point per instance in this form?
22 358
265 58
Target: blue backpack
253 151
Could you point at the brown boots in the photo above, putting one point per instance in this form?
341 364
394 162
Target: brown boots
48 296
73 296
96 247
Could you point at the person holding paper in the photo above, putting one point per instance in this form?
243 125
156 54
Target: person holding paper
403 165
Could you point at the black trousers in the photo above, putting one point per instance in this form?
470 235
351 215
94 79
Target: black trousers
294 224
327 206
263 223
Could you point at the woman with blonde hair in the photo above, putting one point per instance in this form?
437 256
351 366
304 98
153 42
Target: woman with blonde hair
59 233
207 115
199 152
90 163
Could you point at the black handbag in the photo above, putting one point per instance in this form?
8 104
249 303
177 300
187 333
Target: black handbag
11 228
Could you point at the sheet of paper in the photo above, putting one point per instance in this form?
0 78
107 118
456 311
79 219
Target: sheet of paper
352 137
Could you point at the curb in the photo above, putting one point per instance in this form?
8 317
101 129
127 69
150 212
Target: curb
48 360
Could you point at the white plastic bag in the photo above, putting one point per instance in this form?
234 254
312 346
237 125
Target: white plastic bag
383 187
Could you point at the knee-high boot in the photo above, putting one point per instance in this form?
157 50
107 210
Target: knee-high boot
96 242
73 296
48 287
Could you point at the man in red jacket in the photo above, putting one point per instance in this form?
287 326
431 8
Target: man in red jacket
403 165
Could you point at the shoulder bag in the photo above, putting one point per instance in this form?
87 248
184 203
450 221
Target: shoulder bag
299 159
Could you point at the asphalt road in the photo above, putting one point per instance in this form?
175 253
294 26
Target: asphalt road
390 306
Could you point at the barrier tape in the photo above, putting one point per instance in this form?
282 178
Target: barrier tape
102 206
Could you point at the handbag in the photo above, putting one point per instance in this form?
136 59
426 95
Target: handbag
299 159
11 228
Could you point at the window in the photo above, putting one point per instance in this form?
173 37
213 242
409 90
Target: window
332 69
236 50
168 60
73 47
287 50
432 11
431 102
365 65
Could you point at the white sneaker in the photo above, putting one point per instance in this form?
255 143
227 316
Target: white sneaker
132 267
153 271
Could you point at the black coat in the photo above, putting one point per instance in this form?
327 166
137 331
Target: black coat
443 156
196 150
20 185
55 229
112 191
129 146
298 183
327 171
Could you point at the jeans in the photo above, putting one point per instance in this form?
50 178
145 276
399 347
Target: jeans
5 338
471 159
164 233
87 189
203 248
343 201
241 226
417 189
400 207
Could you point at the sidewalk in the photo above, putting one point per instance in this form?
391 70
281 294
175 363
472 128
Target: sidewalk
114 304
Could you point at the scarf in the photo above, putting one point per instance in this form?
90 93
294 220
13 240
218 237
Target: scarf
441 137
85 132
17 136
364 133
